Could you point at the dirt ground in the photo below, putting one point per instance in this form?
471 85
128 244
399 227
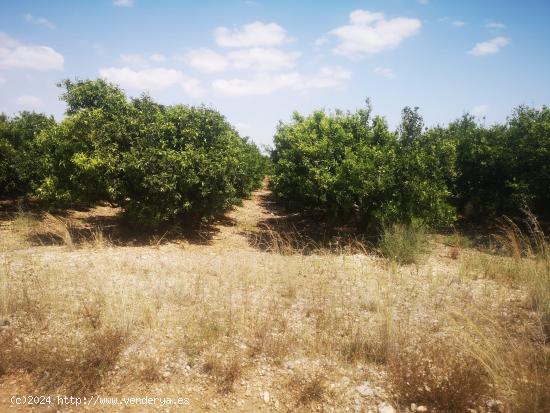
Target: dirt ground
239 317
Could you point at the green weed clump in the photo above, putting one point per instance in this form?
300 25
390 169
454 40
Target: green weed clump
403 244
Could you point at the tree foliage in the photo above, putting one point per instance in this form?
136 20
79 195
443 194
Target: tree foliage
20 160
157 162
352 164
163 162
503 168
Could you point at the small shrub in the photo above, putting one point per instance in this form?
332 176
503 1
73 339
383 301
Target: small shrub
7 344
308 388
76 364
201 334
403 243
147 368
224 369
438 376
456 240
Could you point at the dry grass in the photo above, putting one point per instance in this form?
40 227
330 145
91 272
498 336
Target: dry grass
308 389
526 264
518 367
45 229
438 375
271 339
534 272
225 369
74 364
230 321
147 369
373 342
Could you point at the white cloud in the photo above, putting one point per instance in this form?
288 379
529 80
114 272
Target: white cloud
206 60
256 34
492 46
141 60
370 33
152 79
266 83
158 58
320 41
123 3
257 59
7 41
261 84
28 102
455 23
15 55
133 60
495 26
327 77
41 21
384 72
261 59
480 110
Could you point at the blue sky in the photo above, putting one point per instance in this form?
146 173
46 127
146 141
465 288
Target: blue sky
258 61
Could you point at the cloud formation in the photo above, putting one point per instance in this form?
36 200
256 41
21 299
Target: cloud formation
40 21
489 47
206 60
266 83
251 48
141 59
262 59
152 79
261 84
256 59
256 34
454 23
370 33
15 55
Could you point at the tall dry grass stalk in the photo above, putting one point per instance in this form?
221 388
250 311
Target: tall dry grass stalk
530 250
518 366
289 241
52 229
